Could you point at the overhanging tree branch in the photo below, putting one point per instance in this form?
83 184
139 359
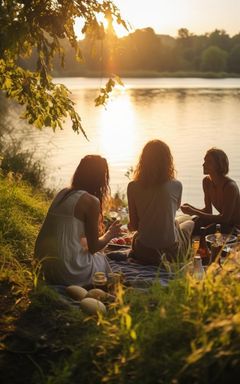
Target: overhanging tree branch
27 26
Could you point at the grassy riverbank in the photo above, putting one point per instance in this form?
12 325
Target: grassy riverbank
188 332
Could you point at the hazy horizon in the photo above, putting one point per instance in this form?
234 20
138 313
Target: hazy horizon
198 17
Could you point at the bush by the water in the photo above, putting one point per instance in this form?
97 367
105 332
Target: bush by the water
188 332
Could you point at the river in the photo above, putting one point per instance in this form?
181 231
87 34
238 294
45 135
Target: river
190 115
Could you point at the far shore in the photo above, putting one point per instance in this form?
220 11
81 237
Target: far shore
151 74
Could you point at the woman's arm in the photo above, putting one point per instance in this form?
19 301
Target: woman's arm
88 210
133 217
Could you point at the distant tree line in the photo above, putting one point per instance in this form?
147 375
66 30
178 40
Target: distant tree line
144 51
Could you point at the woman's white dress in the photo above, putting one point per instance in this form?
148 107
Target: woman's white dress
58 246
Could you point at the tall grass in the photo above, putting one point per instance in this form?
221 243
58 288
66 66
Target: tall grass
13 157
21 213
187 332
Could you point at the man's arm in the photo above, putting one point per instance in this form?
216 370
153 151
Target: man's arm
191 210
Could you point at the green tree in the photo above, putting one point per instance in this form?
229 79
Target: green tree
214 59
42 26
145 47
183 33
220 39
235 40
234 59
139 50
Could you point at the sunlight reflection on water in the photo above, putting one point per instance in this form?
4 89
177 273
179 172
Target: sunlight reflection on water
191 115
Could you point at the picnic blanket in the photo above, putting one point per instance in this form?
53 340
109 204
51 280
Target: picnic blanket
137 275
141 276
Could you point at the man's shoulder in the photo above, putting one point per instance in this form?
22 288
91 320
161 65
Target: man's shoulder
230 184
207 181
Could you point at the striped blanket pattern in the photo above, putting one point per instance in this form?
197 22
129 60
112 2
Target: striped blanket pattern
141 276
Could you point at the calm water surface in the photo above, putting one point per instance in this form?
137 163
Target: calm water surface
191 115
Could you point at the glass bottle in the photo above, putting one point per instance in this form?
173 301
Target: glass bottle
203 250
195 246
198 270
190 265
218 235
114 279
217 244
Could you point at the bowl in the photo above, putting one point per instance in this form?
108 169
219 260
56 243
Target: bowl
229 241
227 238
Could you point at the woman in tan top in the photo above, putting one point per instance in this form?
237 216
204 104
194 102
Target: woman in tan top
153 199
220 192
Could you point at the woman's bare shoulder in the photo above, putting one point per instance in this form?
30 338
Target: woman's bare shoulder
87 198
86 204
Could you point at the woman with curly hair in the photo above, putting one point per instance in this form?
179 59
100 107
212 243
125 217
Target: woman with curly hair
220 192
154 196
69 241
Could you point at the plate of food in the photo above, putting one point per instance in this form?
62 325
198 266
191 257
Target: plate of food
120 242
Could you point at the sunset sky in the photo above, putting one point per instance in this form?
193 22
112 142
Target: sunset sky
167 16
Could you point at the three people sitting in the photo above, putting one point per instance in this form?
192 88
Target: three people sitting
71 240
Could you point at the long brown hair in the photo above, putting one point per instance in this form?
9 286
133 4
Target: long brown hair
92 176
155 165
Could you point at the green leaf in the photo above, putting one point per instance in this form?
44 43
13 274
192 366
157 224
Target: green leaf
8 83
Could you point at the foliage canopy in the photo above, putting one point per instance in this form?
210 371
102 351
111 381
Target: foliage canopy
214 59
40 27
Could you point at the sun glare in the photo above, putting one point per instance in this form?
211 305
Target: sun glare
119 29
117 125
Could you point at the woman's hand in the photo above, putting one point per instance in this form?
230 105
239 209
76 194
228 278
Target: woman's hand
115 229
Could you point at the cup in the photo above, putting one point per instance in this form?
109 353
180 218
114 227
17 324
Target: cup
100 280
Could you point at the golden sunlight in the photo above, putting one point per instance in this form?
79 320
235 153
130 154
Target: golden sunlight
119 29
168 17
163 17
117 126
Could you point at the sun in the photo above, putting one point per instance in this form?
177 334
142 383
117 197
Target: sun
119 29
